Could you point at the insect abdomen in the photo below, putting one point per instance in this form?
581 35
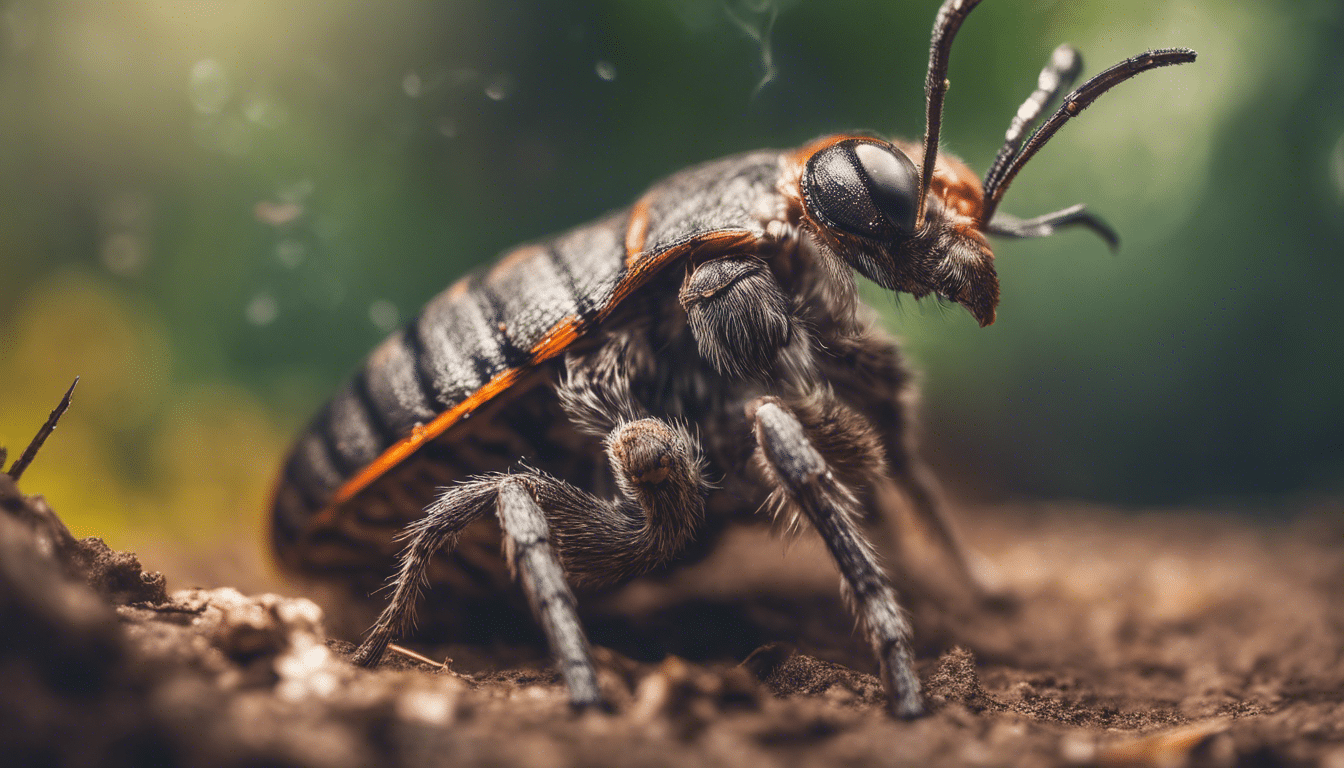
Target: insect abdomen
480 327
468 340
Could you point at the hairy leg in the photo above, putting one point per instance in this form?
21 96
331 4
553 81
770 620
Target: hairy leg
527 547
792 464
812 453
533 562
658 467
553 529
438 530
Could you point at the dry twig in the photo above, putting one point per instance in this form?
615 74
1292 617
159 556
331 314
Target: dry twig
26 458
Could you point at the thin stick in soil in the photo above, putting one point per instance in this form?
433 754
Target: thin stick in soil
408 653
21 463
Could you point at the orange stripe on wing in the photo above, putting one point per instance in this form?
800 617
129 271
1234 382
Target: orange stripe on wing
408 445
640 270
552 344
557 340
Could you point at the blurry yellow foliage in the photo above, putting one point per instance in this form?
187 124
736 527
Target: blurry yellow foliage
137 459
215 454
74 324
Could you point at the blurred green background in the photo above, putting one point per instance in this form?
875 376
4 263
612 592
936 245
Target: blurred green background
211 211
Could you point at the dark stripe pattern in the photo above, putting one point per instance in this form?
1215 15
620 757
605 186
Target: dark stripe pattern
736 193
395 384
564 275
503 334
473 331
460 349
354 437
594 263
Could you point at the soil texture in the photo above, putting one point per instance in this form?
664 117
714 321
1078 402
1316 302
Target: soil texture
1178 638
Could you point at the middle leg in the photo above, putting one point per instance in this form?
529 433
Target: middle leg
534 563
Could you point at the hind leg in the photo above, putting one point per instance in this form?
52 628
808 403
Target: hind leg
552 528
531 558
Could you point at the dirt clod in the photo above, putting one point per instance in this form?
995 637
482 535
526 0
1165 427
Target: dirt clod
956 682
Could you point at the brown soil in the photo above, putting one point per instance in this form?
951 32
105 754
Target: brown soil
1166 639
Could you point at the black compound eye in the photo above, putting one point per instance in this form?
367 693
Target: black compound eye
893 182
864 188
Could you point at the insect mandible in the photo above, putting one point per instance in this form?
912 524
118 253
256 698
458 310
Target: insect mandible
586 389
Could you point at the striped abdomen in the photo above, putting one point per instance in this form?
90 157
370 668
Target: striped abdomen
383 443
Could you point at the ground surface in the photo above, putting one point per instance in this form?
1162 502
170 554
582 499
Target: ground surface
1166 639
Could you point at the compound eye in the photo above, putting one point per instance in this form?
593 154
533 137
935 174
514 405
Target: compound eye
863 188
893 182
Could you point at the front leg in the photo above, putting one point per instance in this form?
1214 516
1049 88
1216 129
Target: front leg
869 375
742 320
792 464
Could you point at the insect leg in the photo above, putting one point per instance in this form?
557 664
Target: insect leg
657 466
438 529
529 552
791 462
658 471
533 560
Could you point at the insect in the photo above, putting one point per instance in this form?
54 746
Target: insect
577 398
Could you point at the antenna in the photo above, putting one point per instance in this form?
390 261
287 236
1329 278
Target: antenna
1058 76
945 27
1074 103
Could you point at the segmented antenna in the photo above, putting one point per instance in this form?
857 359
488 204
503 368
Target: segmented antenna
1059 75
1008 225
945 27
1073 104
